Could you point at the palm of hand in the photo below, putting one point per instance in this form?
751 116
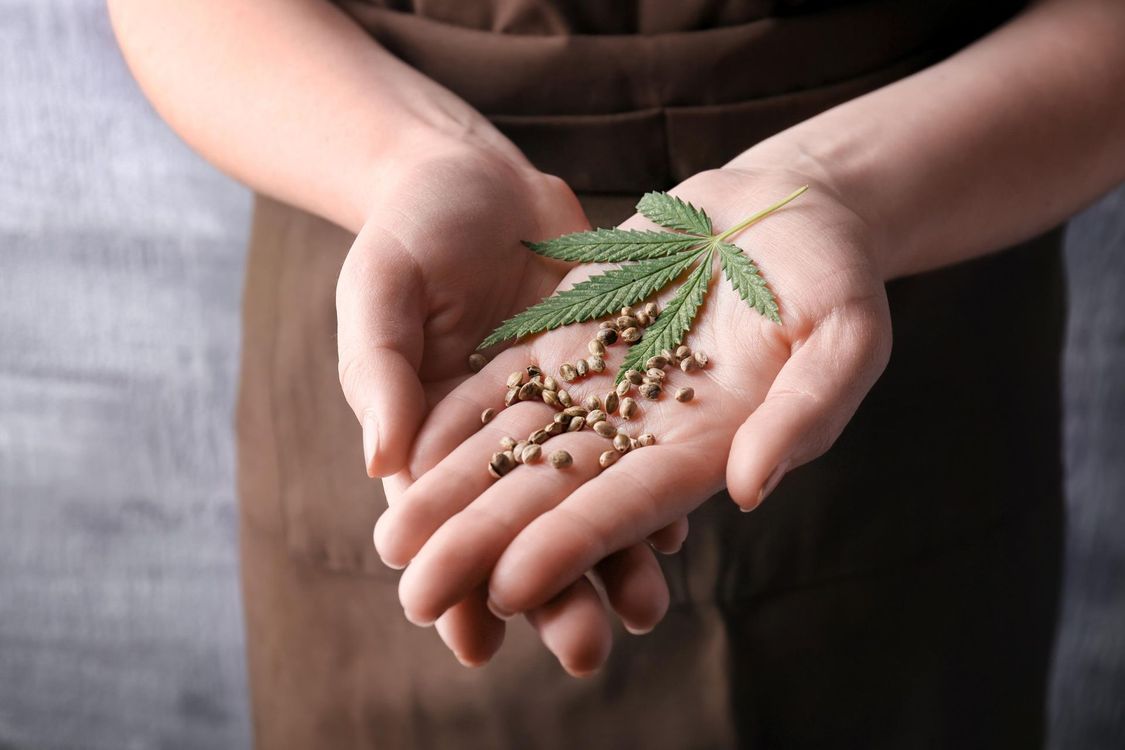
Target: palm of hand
772 397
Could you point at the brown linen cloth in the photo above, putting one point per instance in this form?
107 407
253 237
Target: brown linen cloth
899 592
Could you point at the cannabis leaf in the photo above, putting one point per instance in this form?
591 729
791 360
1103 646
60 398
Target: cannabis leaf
614 245
655 260
746 280
669 211
669 329
599 295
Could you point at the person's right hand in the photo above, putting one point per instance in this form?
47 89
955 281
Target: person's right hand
437 264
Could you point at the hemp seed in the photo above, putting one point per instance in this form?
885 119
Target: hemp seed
700 359
531 453
687 364
628 408
576 424
652 309
656 363
655 374
631 335
477 361
596 348
507 443
518 450
533 371
576 411
550 384
611 402
622 389
538 437
643 319
512 396
607 459
683 350
627 311
684 395
607 336
487 415
515 380
530 391
651 391
636 377
567 372
597 364
621 443
550 398
561 459
646 439
555 428
582 368
501 463
592 402
626 322
564 398
605 429
597 415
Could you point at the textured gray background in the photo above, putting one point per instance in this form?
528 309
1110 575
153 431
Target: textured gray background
120 268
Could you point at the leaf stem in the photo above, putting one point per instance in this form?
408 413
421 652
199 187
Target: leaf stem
761 214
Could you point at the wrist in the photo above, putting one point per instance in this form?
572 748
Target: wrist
839 172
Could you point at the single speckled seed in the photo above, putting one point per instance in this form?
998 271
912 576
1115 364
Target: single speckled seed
512 396
487 415
636 377
628 408
550 384
561 459
670 356
631 335
567 372
646 439
643 319
477 361
611 402
533 371
683 350
564 398
576 424
607 336
605 429
625 322
561 418
518 451
688 364
530 391
597 415
531 453
651 391
655 374
623 388
652 309
607 459
515 379
582 368
550 398
507 442
627 310
657 363
606 324
576 411
554 429
597 364
596 348
592 402
700 358
501 463
538 437
685 394
621 443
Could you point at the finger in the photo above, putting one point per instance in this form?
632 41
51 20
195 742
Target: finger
645 490
669 539
460 554
817 391
575 628
379 318
471 632
635 587
446 489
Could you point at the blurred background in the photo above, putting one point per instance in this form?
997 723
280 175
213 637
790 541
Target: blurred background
121 258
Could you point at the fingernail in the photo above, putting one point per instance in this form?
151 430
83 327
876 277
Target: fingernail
370 441
775 477
638 631
422 623
499 611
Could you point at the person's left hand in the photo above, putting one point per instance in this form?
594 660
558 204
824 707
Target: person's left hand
773 397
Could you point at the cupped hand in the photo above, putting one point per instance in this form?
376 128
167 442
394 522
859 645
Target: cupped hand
771 398
438 261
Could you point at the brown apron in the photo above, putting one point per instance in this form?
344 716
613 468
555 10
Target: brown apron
899 592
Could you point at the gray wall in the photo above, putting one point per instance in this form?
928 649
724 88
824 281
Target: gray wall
120 267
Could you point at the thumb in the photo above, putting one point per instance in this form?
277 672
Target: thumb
379 317
810 402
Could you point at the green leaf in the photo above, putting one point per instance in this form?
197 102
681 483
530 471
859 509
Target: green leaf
614 245
747 281
669 329
669 211
597 296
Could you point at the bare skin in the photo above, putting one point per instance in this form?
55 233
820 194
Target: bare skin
999 142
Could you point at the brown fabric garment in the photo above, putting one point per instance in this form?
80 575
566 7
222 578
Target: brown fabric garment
899 592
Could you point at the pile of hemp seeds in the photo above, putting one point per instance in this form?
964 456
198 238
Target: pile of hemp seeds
595 413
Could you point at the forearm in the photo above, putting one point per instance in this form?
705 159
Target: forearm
289 96
992 146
